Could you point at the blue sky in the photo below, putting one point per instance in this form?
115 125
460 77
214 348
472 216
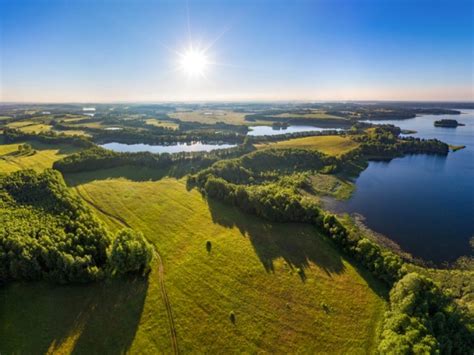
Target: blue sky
124 50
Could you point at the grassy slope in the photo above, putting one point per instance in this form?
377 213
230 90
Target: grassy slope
45 156
250 270
332 145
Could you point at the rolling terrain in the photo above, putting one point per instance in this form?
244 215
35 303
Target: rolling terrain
287 286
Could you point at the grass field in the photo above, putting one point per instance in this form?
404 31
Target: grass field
211 116
313 115
40 127
331 145
18 124
159 123
74 132
44 157
251 270
331 185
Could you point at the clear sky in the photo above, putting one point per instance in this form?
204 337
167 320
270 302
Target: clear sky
124 50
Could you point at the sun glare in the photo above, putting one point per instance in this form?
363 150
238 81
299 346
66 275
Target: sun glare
194 62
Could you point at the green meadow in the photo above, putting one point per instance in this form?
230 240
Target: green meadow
288 287
43 157
331 145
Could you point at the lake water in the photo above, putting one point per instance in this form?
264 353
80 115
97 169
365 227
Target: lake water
175 148
271 131
423 202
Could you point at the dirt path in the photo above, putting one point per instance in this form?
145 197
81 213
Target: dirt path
161 273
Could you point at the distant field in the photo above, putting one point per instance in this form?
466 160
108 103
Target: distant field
89 125
44 157
251 270
74 132
211 116
18 124
313 115
332 145
30 126
36 128
159 123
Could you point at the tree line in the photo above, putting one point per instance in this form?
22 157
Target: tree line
12 135
98 158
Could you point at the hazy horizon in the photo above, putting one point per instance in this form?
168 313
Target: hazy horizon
186 51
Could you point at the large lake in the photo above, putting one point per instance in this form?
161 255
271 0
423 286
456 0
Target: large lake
271 131
423 202
174 148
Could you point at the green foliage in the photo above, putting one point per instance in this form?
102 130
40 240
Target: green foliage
12 135
130 253
422 320
99 158
384 141
46 232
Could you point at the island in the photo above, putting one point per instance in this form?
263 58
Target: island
447 123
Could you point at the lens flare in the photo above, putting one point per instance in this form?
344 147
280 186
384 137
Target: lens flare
193 62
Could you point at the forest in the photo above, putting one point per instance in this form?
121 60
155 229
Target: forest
46 232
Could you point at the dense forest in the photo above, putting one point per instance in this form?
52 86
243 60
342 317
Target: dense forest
46 232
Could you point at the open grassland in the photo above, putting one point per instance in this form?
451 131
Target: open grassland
289 289
331 145
331 185
30 126
36 128
88 124
73 132
44 157
18 124
160 123
211 116
312 115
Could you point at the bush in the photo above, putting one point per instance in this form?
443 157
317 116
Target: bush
130 253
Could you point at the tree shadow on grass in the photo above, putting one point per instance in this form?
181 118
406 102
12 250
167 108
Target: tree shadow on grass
298 244
129 172
97 318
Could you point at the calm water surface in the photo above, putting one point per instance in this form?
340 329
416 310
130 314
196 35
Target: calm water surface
175 148
271 131
423 202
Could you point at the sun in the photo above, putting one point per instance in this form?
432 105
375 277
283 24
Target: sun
193 62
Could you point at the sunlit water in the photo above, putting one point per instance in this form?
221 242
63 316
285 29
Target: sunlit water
271 131
423 202
174 148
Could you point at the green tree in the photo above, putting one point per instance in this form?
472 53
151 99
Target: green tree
130 253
